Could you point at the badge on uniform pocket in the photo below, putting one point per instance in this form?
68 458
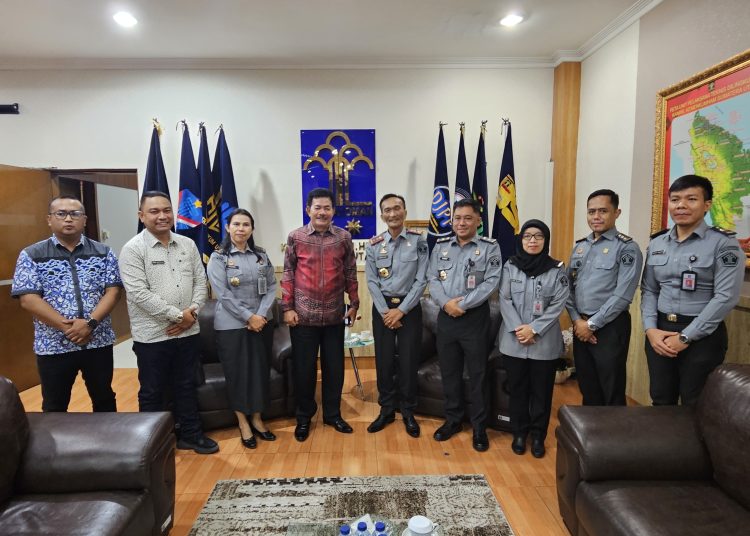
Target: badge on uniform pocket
262 286
689 281
234 281
538 307
471 282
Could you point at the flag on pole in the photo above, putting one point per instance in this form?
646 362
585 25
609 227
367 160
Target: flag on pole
189 212
505 225
224 177
479 184
210 201
463 189
440 212
156 177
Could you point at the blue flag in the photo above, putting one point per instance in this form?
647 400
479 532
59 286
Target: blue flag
156 177
189 213
440 212
463 189
224 176
210 201
505 225
479 184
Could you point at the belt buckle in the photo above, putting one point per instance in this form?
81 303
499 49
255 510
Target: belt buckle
671 317
395 301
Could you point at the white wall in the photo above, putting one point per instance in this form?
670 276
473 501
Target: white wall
86 119
607 122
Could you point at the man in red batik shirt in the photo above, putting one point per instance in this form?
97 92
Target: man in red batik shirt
319 266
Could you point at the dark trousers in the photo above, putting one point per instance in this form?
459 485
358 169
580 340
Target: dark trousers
459 340
683 377
306 340
601 367
530 384
58 373
408 340
170 366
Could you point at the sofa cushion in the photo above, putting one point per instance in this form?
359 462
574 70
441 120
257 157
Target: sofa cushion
100 513
14 435
658 508
724 420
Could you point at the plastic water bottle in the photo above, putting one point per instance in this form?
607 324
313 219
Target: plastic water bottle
345 530
362 529
382 529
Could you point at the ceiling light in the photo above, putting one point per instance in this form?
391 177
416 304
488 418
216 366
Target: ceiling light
125 19
511 20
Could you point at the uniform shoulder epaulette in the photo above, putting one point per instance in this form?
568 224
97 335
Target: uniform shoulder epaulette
377 239
659 233
725 232
414 231
582 239
560 264
444 239
488 239
259 249
624 238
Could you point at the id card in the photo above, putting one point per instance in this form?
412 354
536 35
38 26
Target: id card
262 286
538 308
689 281
471 281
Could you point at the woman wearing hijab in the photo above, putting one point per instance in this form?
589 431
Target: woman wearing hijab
243 282
533 292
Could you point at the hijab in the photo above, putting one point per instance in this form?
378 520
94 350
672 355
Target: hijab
533 265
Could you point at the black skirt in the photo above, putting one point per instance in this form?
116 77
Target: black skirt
244 355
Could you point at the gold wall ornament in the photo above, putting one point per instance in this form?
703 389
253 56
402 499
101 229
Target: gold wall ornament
339 166
354 227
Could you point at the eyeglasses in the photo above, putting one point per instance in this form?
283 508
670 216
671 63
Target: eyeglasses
529 237
63 214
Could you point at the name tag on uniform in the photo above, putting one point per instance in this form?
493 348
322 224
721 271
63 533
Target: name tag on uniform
262 286
471 281
158 262
538 307
689 280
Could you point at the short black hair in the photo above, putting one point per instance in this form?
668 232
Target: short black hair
613 197
389 196
468 202
319 192
59 197
693 181
153 193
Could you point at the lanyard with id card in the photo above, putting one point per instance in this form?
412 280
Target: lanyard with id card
262 283
471 277
689 279
538 307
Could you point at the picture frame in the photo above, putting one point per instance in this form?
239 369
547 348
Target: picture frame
701 123
420 225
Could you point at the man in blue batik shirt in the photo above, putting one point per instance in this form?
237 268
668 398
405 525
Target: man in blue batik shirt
70 284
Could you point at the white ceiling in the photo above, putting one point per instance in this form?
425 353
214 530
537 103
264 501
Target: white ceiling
298 33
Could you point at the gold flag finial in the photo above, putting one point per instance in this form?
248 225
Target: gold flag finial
157 125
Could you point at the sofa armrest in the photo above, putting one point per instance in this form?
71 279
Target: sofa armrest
634 443
281 350
73 452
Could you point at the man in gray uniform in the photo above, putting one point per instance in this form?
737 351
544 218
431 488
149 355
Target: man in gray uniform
604 268
691 281
464 270
396 272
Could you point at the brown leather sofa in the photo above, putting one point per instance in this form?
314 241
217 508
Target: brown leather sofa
658 471
213 404
84 473
430 398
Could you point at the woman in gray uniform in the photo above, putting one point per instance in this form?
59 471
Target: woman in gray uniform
243 282
533 291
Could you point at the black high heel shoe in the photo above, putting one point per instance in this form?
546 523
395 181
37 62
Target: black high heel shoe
265 436
248 443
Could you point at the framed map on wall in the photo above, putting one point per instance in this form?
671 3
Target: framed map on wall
703 128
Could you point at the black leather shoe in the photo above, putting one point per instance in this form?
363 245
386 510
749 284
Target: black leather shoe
249 443
200 445
378 424
411 425
448 430
480 441
301 431
537 447
265 436
339 424
519 444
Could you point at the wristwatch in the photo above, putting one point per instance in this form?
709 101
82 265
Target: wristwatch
180 318
92 323
591 325
683 338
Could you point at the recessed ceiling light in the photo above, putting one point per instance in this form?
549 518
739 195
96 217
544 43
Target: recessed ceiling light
511 20
125 19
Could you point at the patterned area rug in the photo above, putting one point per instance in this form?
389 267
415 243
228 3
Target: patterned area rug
463 505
